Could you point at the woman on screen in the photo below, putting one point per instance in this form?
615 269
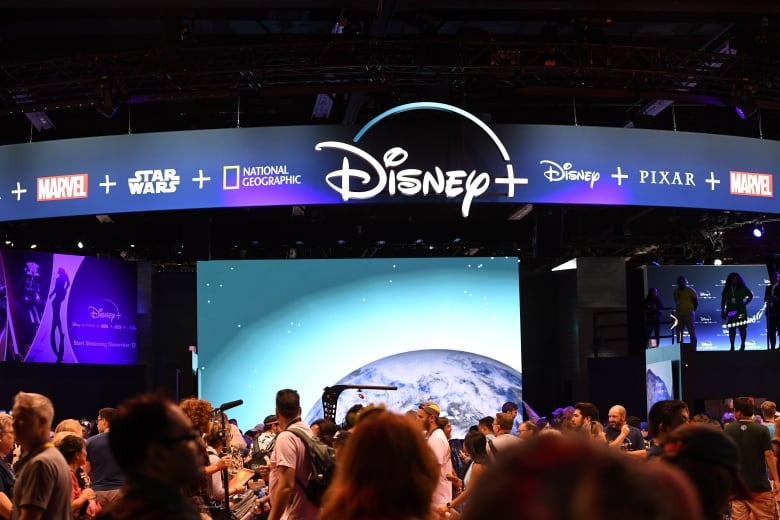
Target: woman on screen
733 305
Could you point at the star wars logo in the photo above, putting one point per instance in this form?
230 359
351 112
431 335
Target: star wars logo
146 182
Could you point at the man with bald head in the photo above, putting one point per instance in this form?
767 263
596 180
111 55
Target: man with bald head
623 436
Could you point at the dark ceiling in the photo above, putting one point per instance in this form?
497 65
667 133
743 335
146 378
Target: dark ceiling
159 66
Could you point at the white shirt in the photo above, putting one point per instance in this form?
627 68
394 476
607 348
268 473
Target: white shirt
441 449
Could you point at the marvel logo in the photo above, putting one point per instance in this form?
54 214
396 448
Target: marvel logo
750 184
62 187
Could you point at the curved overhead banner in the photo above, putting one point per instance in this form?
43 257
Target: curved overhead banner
412 153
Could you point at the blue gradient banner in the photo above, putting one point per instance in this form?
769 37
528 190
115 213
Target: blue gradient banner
447 156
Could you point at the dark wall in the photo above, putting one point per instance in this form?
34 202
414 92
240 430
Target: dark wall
76 390
175 330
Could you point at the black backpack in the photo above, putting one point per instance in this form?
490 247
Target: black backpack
323 464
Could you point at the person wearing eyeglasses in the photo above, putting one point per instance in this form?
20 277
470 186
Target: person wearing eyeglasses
527 429
157 461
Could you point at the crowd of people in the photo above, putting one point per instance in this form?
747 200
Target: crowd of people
155 459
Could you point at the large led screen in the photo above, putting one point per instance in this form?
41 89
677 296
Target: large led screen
67 309
708 281
443 329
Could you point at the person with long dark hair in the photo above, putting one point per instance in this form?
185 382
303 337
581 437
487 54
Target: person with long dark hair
475 448
733 304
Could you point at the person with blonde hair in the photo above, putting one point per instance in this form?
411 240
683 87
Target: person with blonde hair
386 470
42 488
6 475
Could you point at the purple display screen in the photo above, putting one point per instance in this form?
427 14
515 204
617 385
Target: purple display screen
67 309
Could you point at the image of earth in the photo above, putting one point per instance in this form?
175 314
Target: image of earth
657 390
466 386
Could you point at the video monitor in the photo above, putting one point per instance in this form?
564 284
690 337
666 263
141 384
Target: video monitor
709 281
58 308
440 329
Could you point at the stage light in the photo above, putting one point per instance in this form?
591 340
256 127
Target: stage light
746 106
758 230
33 246
80 244
717 261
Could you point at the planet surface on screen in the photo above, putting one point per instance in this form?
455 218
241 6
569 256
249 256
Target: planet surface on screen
466 386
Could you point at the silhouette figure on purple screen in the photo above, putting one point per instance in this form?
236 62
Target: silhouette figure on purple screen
32 305
61 286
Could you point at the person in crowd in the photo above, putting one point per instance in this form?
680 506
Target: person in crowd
199 412
733 304
83 499
456 445
597 433
485 427
772 299
386 471
768 411
215 442
502 425
42 489
755 453
644 429
475 449
710 459
157 461
663 418
290 461
69 425
350 419
428 416
527 429
584 415
339 441
7 477
686 302
237 441
622 435
652 309
263 444
726 418
104 474
512 409
327 429
566 477
702 417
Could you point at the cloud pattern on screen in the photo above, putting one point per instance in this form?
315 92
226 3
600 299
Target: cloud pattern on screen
466 386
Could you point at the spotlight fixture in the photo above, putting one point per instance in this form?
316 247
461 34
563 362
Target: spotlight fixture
746 106
717 261
758 230
80 244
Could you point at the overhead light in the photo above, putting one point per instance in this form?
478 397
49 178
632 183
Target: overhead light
717 261
758 230
33 246
80 244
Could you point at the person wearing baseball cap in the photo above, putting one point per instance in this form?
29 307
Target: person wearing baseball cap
428 415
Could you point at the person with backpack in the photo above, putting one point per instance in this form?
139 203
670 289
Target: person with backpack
291 463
